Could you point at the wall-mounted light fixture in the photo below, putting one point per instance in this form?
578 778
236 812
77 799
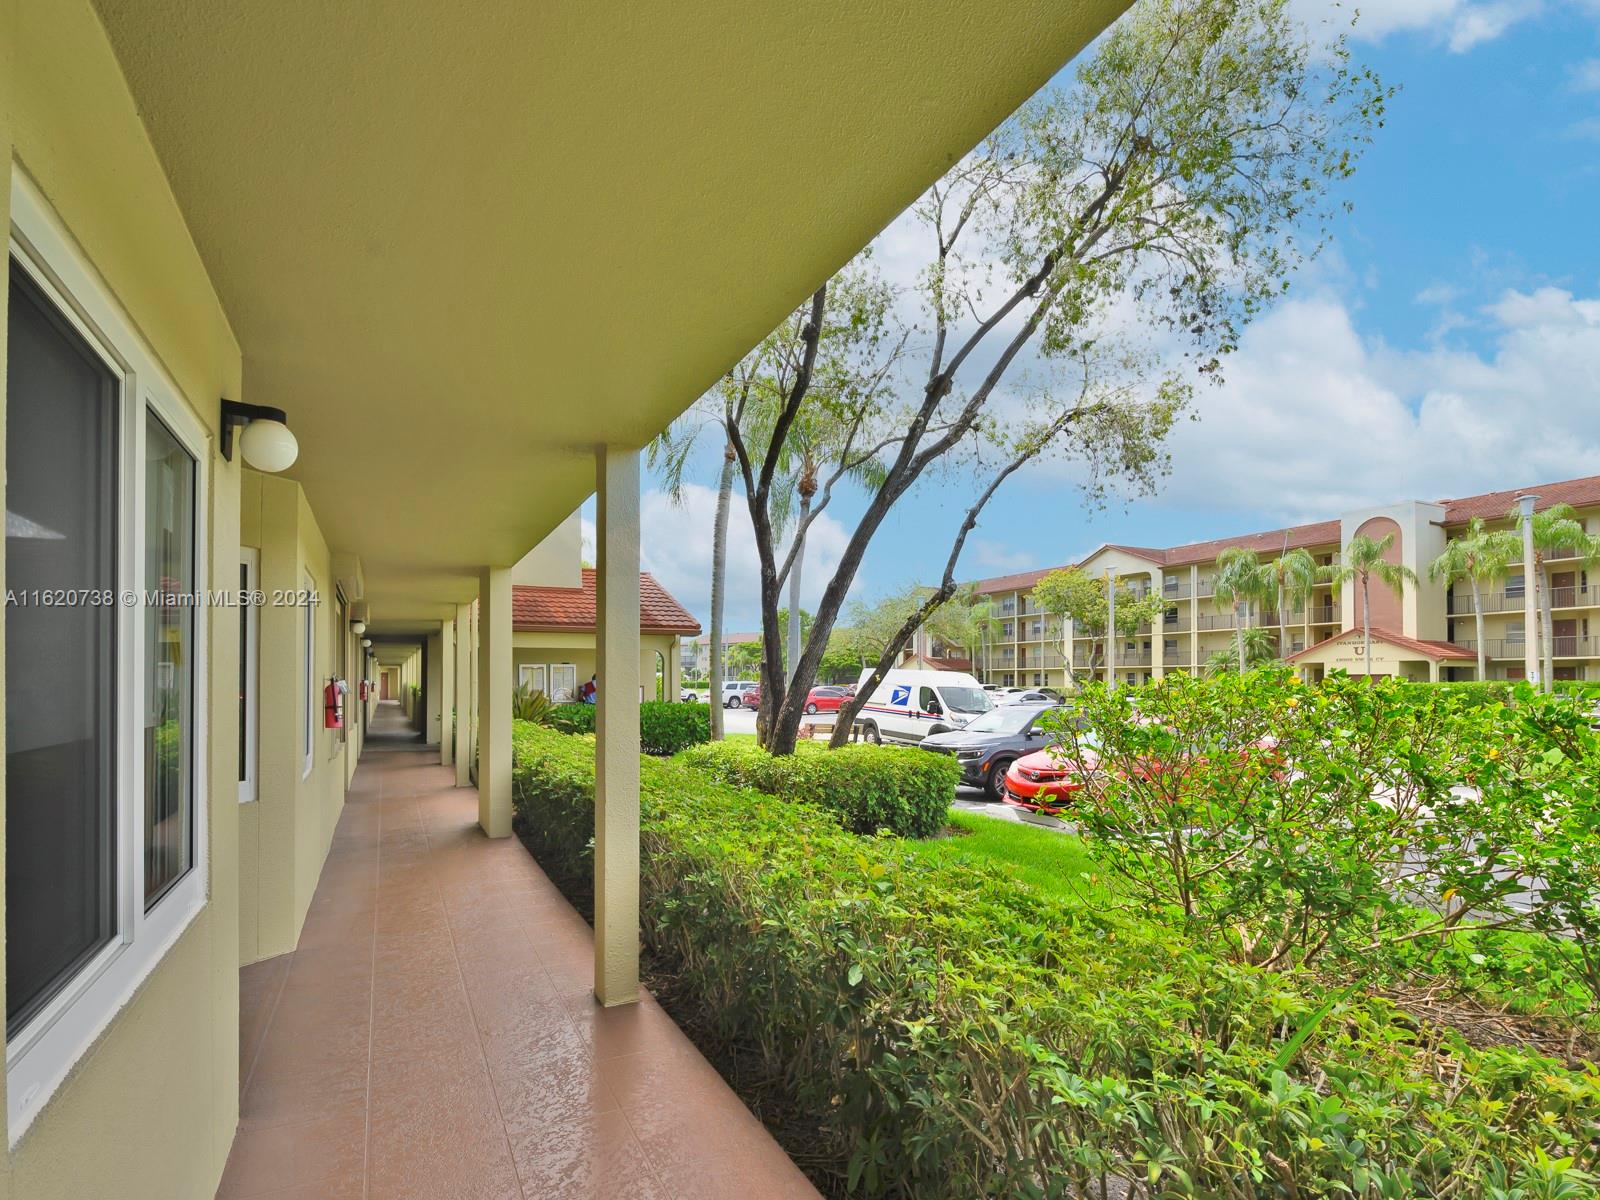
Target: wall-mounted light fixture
266 442
366 642
358 627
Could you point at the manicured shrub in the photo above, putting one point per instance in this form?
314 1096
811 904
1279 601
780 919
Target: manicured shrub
905 791
573 718
666 727
955 1034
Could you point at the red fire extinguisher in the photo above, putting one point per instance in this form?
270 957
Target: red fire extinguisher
365 686
333 705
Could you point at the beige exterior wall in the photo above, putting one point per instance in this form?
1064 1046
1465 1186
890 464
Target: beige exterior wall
578 649
284 834
1029 650
555 562
150 1109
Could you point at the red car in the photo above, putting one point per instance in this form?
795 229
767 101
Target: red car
827 698
1041 783
1044 783
749 697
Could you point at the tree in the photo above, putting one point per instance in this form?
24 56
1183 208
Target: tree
1173 186
793 619
1258 648
743 659
1557 533
1295 578
669 454
1479 556
1075 595
1363 559
1242 580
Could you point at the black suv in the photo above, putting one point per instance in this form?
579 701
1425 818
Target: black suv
992 742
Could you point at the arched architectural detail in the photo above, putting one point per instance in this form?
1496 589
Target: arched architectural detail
1388 610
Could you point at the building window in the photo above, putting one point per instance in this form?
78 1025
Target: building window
62 497
309 681
531 676
105 700
249 672
1514 587
563 682
169 614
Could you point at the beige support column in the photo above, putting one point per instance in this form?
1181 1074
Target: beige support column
494 701
675 670
447 691
616 793
462 670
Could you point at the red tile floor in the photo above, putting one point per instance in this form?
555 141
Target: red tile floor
434 1034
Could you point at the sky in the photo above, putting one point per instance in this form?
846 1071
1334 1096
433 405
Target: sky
1447 342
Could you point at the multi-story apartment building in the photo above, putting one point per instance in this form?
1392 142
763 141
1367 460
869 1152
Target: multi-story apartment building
1428 632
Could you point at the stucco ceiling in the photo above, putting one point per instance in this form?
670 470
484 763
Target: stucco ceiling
462 243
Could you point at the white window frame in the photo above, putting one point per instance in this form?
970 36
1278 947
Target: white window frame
550 678
42 1053
534 673
312 689
250 618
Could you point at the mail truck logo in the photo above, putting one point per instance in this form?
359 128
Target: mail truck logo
901 694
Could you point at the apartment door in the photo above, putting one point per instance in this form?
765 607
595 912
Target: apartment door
1564 639
1563 589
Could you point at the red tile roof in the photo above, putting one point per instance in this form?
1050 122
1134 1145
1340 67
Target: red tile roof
549 609
1434 650
1580 493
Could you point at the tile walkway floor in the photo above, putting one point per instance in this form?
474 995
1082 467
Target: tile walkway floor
434 1035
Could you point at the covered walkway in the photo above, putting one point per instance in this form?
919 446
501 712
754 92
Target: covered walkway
435 1034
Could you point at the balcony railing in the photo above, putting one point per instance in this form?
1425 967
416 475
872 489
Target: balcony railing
1179 623
1578 596
1561 646
1175 589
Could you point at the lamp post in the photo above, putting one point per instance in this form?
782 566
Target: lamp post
1530 605
1111 629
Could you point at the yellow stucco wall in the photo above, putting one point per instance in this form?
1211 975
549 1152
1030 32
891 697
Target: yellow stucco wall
284 834
578 649
150 1109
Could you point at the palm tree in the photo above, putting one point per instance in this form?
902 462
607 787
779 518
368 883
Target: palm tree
1479 556
669 453
1258 648
1242 579
1363 559
1295 577
1557 533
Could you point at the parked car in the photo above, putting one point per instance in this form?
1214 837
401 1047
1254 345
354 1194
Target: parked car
989 744
1031 696
827 698
1040 783
910 705
733 689
746 696
689 695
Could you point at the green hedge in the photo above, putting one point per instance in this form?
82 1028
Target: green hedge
905 791
955 1034
665 727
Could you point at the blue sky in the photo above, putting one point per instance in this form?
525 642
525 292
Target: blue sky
1448 343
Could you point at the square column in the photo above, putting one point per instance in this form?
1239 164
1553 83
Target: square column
461 668
447 691
494 701
616 793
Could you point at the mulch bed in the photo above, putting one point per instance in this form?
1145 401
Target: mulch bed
1486 1026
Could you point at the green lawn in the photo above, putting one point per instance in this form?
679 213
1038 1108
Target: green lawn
1053 862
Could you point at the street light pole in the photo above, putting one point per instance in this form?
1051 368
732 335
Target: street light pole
1530 603
1111 629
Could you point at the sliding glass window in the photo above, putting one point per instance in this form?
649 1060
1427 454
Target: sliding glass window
61 652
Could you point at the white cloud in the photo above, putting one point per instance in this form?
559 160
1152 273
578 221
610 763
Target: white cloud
1314 420
1586 76
1458 24
675 547
1000 557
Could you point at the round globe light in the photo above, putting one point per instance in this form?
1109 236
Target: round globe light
366 642
358 627
269 446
